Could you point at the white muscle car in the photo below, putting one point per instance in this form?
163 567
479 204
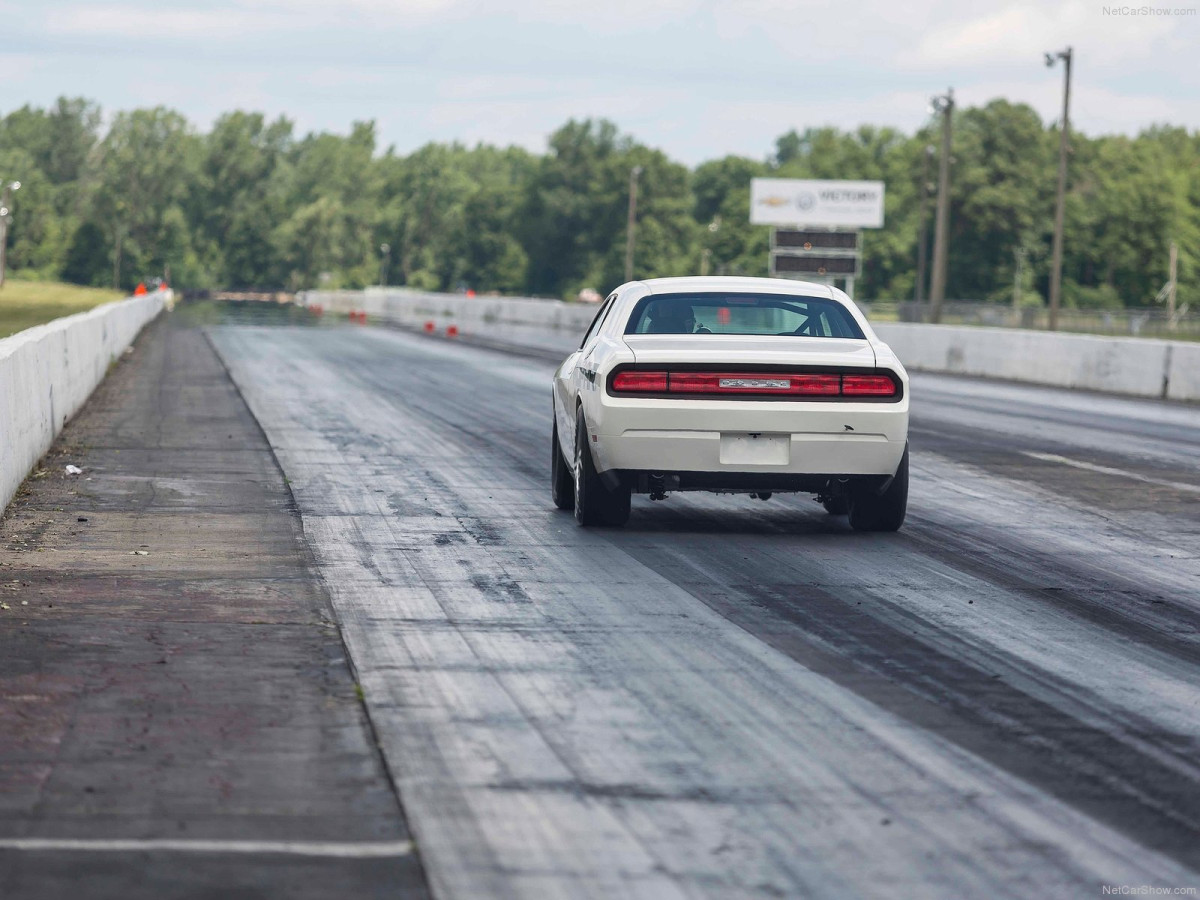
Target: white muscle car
731 385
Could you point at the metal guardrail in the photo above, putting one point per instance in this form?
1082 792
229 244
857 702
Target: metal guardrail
1152 323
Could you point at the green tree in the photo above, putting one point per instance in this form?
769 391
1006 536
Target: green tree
573 224
1003 194
231 200
251 204
330 188
722 211
144 167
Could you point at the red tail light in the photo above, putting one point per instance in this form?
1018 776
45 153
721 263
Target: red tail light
868 386
640 382
753 385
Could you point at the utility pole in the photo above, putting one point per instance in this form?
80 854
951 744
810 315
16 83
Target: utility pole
384 253
1061 199
944 104
5 218
1018 284
631 225
1172 271
922 227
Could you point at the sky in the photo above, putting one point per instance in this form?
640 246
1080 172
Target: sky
697 78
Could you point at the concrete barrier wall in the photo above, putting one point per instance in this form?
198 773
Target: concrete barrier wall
1134 366
47 372
527 322
1183 374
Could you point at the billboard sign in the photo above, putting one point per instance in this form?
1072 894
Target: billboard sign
816 204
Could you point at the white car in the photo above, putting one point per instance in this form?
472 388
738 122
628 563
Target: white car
731 385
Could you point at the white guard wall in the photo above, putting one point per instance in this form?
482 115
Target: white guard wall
1134 366
549 325
47 372
1183 378
1137 366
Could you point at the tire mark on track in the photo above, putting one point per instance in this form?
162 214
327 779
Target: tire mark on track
1088 768
1158 622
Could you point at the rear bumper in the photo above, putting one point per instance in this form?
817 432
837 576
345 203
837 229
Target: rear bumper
751 437
714 451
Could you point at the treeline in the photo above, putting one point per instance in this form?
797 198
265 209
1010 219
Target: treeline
252 204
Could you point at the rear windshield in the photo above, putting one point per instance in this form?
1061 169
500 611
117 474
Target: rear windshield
731 313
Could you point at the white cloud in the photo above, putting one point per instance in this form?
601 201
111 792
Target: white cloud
861 33
391 12
1022 32
1095 109
485 87
529 122
22 65
340 77
236 19
108 21
700 78
611 16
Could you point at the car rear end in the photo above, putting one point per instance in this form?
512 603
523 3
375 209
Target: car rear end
753 412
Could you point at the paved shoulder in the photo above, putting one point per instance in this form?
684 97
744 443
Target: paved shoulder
177 717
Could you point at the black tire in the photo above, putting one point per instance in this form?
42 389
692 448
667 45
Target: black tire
594 503
562 481
871 510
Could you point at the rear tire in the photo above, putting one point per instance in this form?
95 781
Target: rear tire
874 511
594 503
562 482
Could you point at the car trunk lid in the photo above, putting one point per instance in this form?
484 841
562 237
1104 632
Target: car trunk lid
746 350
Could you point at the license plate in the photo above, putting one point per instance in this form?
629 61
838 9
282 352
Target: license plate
749 449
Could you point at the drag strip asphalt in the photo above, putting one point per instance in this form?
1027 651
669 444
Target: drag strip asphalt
731 698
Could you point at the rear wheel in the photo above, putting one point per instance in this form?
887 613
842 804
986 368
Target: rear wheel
562 482
594 503
873 510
